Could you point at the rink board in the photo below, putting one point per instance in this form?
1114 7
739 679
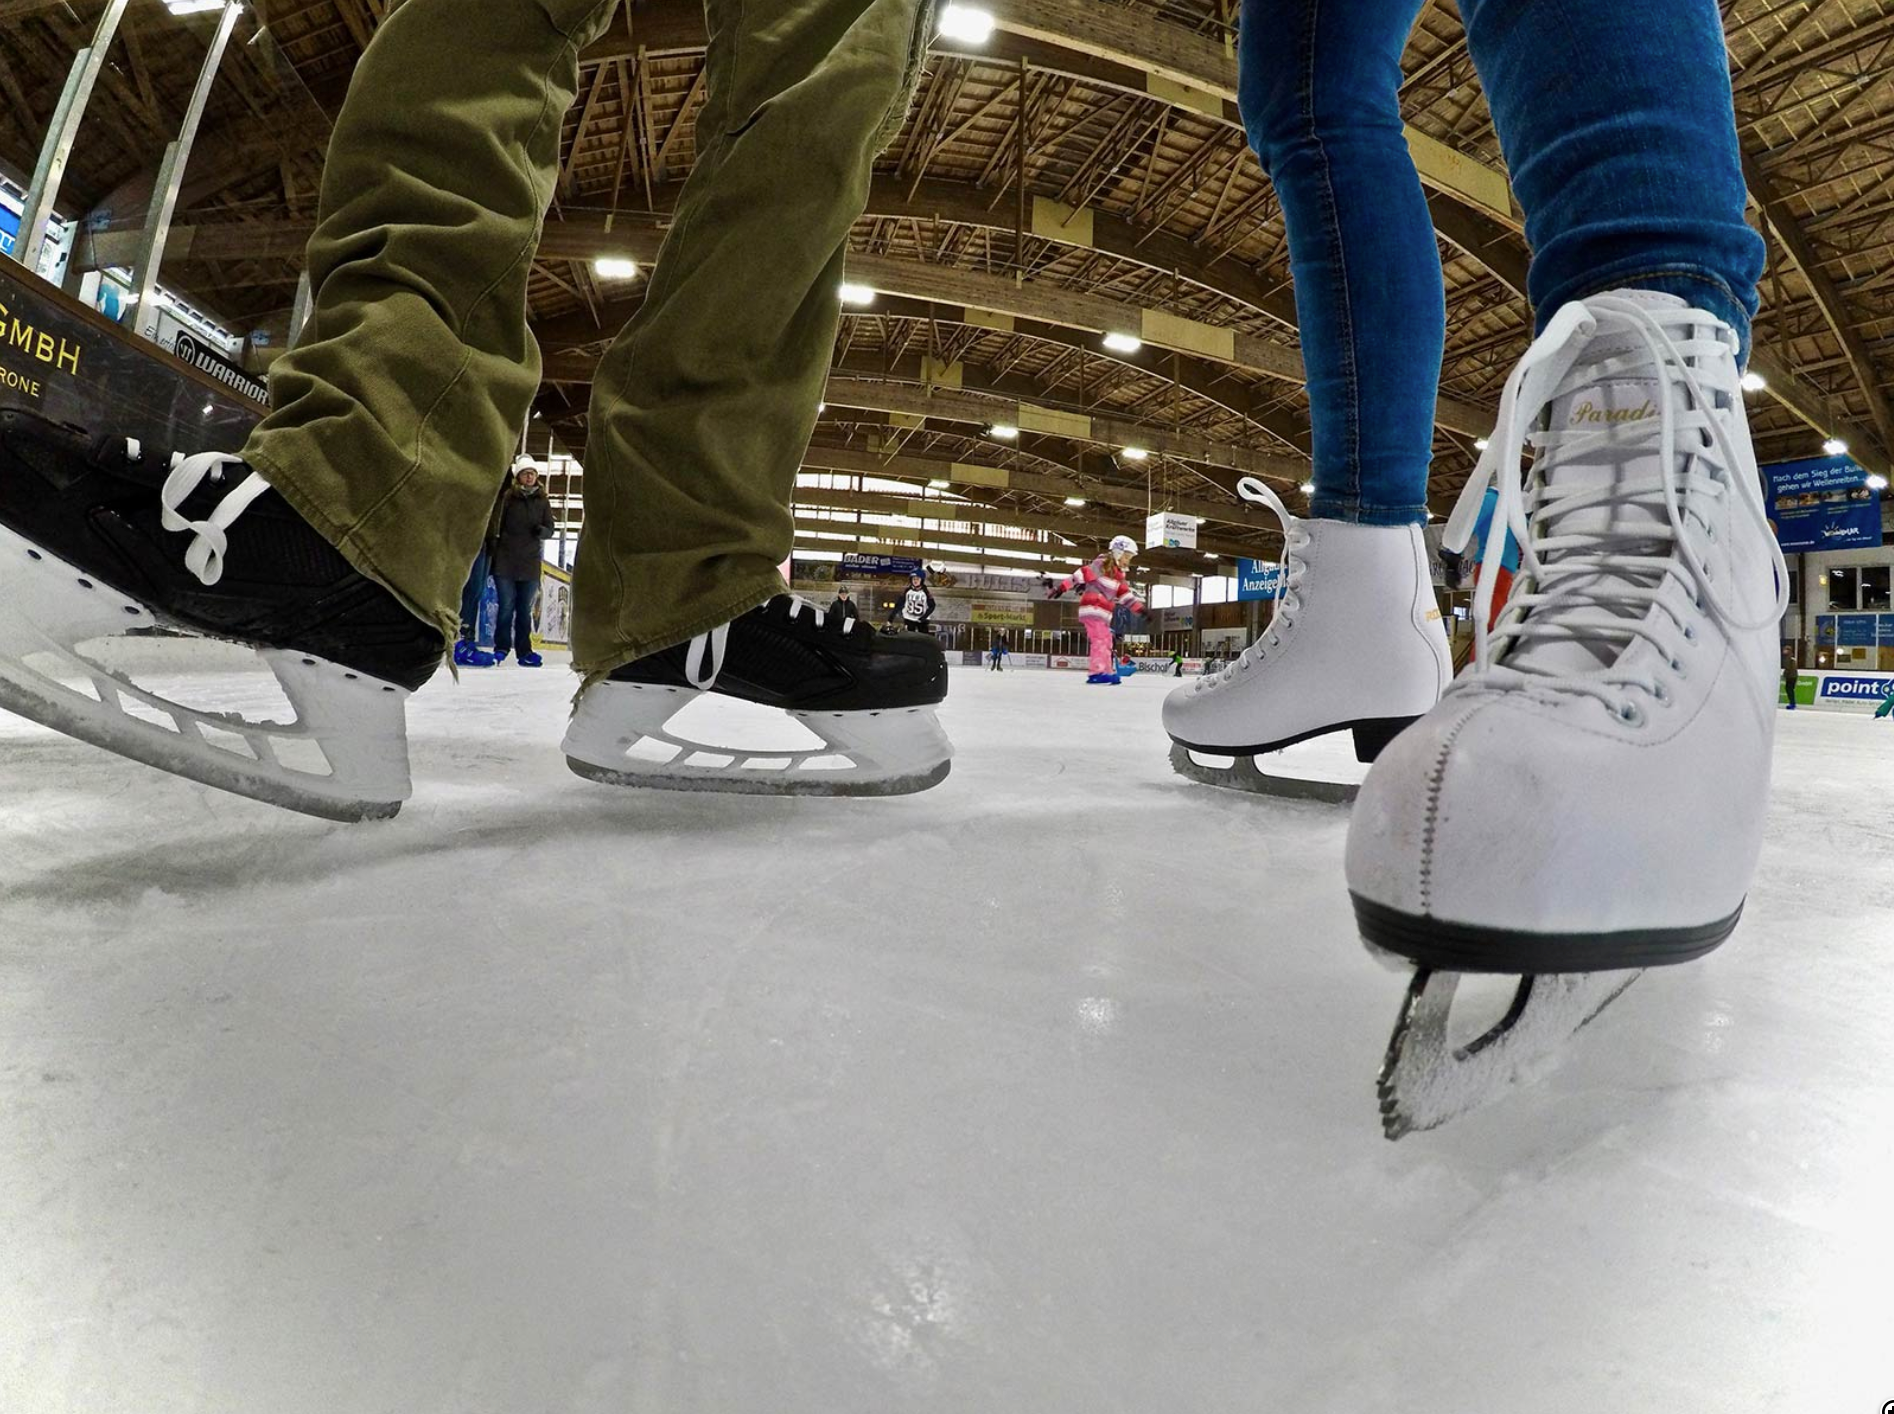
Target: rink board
68 362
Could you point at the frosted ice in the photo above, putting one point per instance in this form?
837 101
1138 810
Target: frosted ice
1050 1090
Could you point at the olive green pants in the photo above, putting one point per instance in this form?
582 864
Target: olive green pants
394 421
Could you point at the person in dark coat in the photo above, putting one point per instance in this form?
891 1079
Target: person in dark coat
522 526
1790 673
841 606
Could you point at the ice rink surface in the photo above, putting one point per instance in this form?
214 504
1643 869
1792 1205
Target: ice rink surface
1050 1090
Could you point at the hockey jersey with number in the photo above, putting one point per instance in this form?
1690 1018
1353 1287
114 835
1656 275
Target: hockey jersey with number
917 606
1105 588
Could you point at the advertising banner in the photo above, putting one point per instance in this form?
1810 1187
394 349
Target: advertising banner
1000 614
1855 631
555 607
1886 630
206 359
1258 579
898 565
1825 630
1869 689
1822 503
9 229
1172 530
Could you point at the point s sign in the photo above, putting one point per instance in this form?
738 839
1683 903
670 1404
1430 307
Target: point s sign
1851 687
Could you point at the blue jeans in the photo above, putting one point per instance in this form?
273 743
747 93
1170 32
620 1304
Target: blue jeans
470 596
515 624
1619 134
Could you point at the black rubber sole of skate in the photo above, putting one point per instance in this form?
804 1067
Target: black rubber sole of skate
1372 735
798 786
1471 947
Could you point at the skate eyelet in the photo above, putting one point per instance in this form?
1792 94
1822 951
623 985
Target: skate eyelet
85 584
1628 713
1663 695
34 555
132 609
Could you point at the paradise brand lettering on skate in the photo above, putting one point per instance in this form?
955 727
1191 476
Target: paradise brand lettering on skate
1590 412
37 344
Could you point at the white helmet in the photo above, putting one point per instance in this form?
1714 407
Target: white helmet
1123 545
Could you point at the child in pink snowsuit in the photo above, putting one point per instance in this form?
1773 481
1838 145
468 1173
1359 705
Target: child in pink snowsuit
1105 587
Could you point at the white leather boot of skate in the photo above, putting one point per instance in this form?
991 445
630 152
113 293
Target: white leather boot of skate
1356 644
1588 797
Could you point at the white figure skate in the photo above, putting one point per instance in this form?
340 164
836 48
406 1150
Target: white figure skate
1355 644
1587 800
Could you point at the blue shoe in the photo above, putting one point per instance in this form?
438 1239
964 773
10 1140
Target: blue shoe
499 656
1100 680
531 660
471 655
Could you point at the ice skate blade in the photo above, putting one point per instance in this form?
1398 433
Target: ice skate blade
1245 775
618 737
343 756
1426 1081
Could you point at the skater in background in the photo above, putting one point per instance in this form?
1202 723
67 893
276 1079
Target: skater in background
996 654
1634 664
1177 662
525 525
350 519
842 607
1791 673
1105 587
916 607
467 650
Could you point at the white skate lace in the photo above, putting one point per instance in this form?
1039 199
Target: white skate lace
1290 570
1600 586
204 556
703 659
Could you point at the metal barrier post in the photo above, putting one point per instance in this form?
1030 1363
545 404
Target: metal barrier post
164 197
57 150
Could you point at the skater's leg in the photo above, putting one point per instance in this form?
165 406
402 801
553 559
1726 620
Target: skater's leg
1623 151
524 599
1098 636
508 591
470 596
702 409
393 421
1319 85
1636 663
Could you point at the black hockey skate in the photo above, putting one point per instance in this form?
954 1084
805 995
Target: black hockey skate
868 697
102 539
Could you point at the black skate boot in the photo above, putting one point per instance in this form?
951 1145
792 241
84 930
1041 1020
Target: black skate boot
102 539
868 696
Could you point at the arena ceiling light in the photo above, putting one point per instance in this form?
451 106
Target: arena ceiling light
861 296
1003 431
1123 343
615 267
1835 447
1479 444
937 484
1754 382
1308 488
966 24
1134 454
1075 501
1877 483
192 7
